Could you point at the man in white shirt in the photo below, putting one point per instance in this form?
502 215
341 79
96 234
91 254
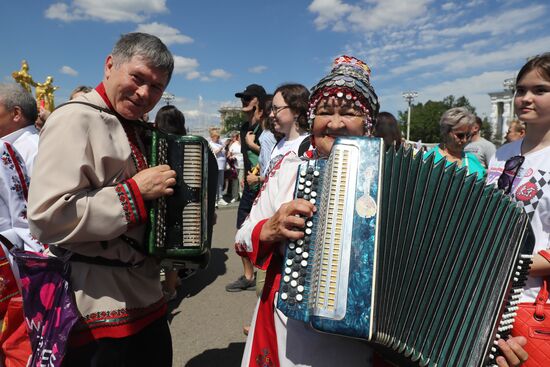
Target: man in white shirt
18 112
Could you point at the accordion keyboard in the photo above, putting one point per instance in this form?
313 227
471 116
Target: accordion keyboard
333 238
294 277
192 176
161 224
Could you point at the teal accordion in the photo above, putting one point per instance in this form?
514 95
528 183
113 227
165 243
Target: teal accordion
180 225
421 260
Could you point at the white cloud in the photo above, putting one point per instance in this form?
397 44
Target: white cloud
475 88
106 10
329 12
375 15
167 34
193 75
62 12
449 6
257 69
187 66
470 58
68 70
509 21
220 73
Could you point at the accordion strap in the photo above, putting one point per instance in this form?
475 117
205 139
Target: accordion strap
6 242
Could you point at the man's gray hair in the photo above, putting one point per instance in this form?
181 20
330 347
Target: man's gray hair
145 45
456 117
14 95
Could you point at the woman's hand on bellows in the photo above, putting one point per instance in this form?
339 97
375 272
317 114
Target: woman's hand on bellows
513 354
283 224
155 182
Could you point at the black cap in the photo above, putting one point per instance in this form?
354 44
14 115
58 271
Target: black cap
253 90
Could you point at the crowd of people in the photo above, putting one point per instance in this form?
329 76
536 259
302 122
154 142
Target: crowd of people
84 200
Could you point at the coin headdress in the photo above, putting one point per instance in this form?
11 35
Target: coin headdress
349 79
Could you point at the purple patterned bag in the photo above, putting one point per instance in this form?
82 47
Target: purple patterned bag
48 302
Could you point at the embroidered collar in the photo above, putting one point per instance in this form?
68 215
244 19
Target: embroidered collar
103 93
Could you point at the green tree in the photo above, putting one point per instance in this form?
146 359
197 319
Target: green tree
486 129
232 122
425 117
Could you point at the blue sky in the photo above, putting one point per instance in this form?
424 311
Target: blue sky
436 48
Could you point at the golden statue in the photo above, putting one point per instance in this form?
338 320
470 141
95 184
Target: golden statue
23 77
44 94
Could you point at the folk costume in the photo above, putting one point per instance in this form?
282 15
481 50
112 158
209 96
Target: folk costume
25 142
83 200
14 184
275 340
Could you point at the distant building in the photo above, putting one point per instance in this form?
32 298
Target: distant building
501 112
228 110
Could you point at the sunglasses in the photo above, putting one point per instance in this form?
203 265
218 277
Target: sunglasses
462 136
511 169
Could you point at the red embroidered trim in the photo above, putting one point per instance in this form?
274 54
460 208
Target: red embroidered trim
271 174
103 93
115 324
139 159
132 202
137 199
18 169
125 202
545 254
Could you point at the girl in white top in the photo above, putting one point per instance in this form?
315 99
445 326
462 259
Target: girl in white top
289 113
522 168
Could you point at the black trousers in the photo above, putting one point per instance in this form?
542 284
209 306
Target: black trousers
152 346
245 205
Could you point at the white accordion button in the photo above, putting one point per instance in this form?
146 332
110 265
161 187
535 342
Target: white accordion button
301 187
313 201
286 278
298 250
305 255
308 183
299 297
308 231
316 173
288 262
304 263
284 296
300 242
295 274
307 190
293 283
309 223
292 245
300 288
288 270
302 180
313 194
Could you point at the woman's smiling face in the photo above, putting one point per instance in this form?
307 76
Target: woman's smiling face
336 117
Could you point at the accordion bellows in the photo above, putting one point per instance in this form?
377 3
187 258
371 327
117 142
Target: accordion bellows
180 225
418 258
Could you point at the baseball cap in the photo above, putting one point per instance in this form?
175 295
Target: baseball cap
253 90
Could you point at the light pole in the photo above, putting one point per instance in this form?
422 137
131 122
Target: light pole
168 97
409 97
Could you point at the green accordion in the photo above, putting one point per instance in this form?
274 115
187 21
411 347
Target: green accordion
180 226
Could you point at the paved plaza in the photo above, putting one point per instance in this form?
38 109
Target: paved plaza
206 321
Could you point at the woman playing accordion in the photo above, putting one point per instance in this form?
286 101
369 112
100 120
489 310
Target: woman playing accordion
343 103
